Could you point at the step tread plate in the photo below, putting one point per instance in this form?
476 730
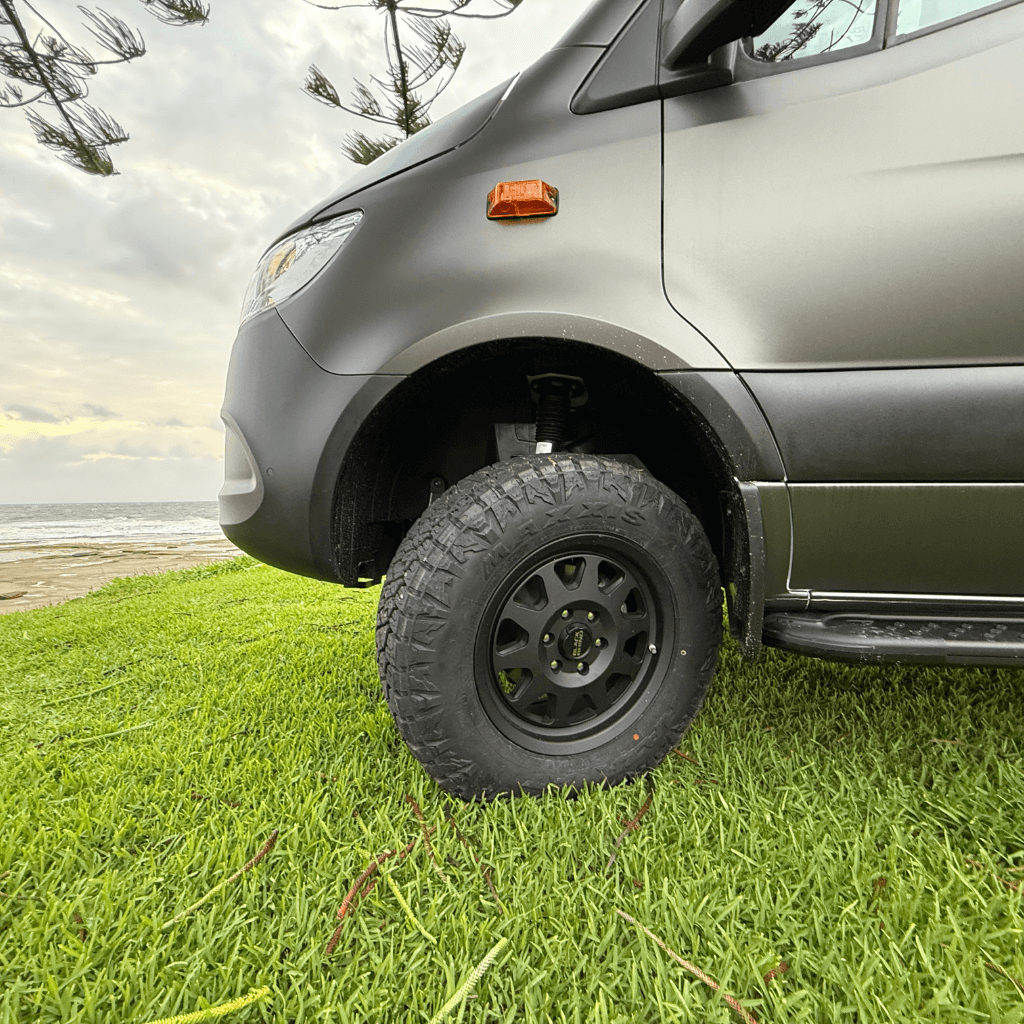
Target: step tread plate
911 639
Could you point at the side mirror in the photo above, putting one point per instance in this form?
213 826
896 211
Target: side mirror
700 27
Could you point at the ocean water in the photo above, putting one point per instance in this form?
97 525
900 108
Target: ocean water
108 522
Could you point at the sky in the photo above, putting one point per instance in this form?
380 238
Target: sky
119 296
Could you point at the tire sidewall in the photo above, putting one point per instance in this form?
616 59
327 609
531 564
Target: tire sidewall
488 547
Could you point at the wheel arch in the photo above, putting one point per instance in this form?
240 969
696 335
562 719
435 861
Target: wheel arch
698 431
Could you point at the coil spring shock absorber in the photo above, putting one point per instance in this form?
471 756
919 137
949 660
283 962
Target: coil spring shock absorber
555 394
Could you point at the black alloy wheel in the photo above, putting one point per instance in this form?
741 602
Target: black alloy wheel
552 620
574 645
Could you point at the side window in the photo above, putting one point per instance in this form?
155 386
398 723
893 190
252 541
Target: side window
812 27
917 14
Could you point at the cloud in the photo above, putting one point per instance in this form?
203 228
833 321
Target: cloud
30 414
123 293
98 411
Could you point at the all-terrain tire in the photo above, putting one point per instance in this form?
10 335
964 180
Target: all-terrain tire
465 566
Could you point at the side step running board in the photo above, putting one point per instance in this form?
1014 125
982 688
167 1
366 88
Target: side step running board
912 639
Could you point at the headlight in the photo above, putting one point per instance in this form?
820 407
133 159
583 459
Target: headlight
295 262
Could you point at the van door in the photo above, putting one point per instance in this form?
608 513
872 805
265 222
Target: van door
843 222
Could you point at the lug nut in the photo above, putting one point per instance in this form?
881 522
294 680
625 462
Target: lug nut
599 642
581 666
590 616
554 664
547 638
565 613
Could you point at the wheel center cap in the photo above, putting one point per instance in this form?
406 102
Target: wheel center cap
575 642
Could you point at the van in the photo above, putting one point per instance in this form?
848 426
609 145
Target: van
715 295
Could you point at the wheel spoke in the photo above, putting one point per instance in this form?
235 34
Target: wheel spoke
631 624
589 588
530 620
598 693
554 586
564 700
524 657
526 693
622 665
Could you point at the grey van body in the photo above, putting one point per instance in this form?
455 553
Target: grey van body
794 293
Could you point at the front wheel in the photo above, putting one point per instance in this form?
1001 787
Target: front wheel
554 619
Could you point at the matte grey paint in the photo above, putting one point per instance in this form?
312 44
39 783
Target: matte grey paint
293 416
497 326
904 254
451 266
442 136
948 424
926 538
866 212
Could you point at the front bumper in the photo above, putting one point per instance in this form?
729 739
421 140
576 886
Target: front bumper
289 424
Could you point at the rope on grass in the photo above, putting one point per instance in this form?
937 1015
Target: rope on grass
747 1016
216 1011
267 847
467 986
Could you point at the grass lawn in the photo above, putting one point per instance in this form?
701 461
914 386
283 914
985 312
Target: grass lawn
864 826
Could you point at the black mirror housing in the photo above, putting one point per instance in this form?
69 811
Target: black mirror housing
699 27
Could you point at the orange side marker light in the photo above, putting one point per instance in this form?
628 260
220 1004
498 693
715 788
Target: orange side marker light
522 199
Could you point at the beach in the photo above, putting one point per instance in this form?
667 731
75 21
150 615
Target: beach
35 576
50 553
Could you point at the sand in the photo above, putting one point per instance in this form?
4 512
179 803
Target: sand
41 575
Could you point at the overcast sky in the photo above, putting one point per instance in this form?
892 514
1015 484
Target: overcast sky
119 296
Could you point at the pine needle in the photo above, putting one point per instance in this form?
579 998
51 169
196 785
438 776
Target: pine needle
216 1011
747 1016
426 840
485 871
111 735
408 910
467 986
632 824
1000 970
267 847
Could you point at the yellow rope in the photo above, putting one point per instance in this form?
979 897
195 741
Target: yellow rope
216 1011
470 982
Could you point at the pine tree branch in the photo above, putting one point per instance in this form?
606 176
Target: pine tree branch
114 35
178 12
14 91
408 68
401 64
15 22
